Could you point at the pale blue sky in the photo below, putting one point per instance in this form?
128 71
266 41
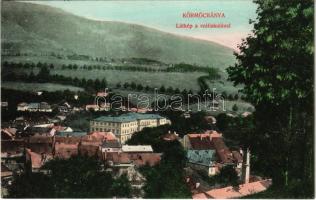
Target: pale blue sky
164 15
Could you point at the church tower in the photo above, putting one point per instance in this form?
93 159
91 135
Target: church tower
245 174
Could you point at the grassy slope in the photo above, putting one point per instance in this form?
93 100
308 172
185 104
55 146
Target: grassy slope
35 28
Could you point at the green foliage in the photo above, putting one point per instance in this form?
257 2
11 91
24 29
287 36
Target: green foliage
228 176
235 108
275 65
165 180
77 177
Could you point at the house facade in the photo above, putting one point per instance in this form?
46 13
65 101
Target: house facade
125 125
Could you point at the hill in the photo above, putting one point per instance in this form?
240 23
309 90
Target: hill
39 29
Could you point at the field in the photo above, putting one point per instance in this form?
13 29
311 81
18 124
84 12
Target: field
33 87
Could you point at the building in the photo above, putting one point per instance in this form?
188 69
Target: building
204 160
129 156
125 125
34 107
34 161
208 152
44 107
232 193
22 106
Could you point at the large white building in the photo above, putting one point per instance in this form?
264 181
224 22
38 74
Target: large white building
125 125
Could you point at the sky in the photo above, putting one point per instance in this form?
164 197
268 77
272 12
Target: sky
165 15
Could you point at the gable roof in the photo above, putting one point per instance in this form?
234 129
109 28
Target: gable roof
201 157
201 143
224 154
244 190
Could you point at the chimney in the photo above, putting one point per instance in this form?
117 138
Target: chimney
245 174
197 185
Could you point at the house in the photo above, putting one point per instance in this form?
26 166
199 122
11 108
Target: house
233 193
110 146
34 161
204 160
170 136
22 106
44 107
65 150
40 144
123 159
90 144
33 107
89 148
125 125
11 149
208 152
63 109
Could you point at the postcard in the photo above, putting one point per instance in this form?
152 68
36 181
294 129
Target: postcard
186 99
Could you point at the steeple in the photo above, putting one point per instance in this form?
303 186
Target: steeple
245 174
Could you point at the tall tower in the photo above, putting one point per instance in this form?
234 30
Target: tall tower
245 174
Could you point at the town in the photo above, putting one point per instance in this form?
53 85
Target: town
40 133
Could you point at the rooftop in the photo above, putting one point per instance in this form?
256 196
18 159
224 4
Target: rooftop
205 157
71 134
231 193
137 148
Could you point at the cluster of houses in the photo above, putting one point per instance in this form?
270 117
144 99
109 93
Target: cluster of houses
35 140
34 107
58 142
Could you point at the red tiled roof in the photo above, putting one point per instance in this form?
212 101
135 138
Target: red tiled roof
244 190
150 159
40 139
67 140
139 159
222 150
36 159
65 151
89 148
99 136
201 143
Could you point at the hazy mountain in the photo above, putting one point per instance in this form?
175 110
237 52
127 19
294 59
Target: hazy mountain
36 28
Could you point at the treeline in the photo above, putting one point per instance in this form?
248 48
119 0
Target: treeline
184 68
44 76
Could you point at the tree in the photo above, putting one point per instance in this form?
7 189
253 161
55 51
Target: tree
235 108
228 176
118 85
133 85
77 177
275 64
126 85
162 89
43 74
140 87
